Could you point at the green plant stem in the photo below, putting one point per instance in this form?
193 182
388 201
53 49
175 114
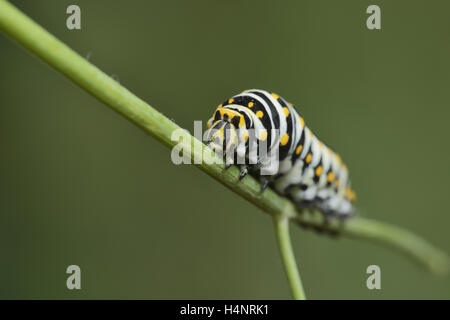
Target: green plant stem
37 40
287 255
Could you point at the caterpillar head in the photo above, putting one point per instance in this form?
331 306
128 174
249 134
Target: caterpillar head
222 137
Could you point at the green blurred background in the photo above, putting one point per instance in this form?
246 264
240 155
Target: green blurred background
81 185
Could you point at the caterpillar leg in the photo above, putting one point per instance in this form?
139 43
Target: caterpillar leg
325 226
328 216
244 172
305 204
264 184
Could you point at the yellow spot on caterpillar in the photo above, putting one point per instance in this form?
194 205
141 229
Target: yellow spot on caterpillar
220 106
229 113
230 101
275 96
284 139
330 176
338 183
302 122
308 158
298 150
246 136
263 135
319 170
242 122
260 114
286 111
224 112
349 194
250 104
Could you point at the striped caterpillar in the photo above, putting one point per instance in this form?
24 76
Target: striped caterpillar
306 171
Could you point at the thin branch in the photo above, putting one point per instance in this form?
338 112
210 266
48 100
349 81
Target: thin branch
37 40
406 242
287 255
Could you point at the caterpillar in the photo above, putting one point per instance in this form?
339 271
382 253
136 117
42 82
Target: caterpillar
296 164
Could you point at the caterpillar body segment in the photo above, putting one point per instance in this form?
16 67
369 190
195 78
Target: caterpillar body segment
268 138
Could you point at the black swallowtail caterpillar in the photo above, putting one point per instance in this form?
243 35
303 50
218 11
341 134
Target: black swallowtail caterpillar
308 172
